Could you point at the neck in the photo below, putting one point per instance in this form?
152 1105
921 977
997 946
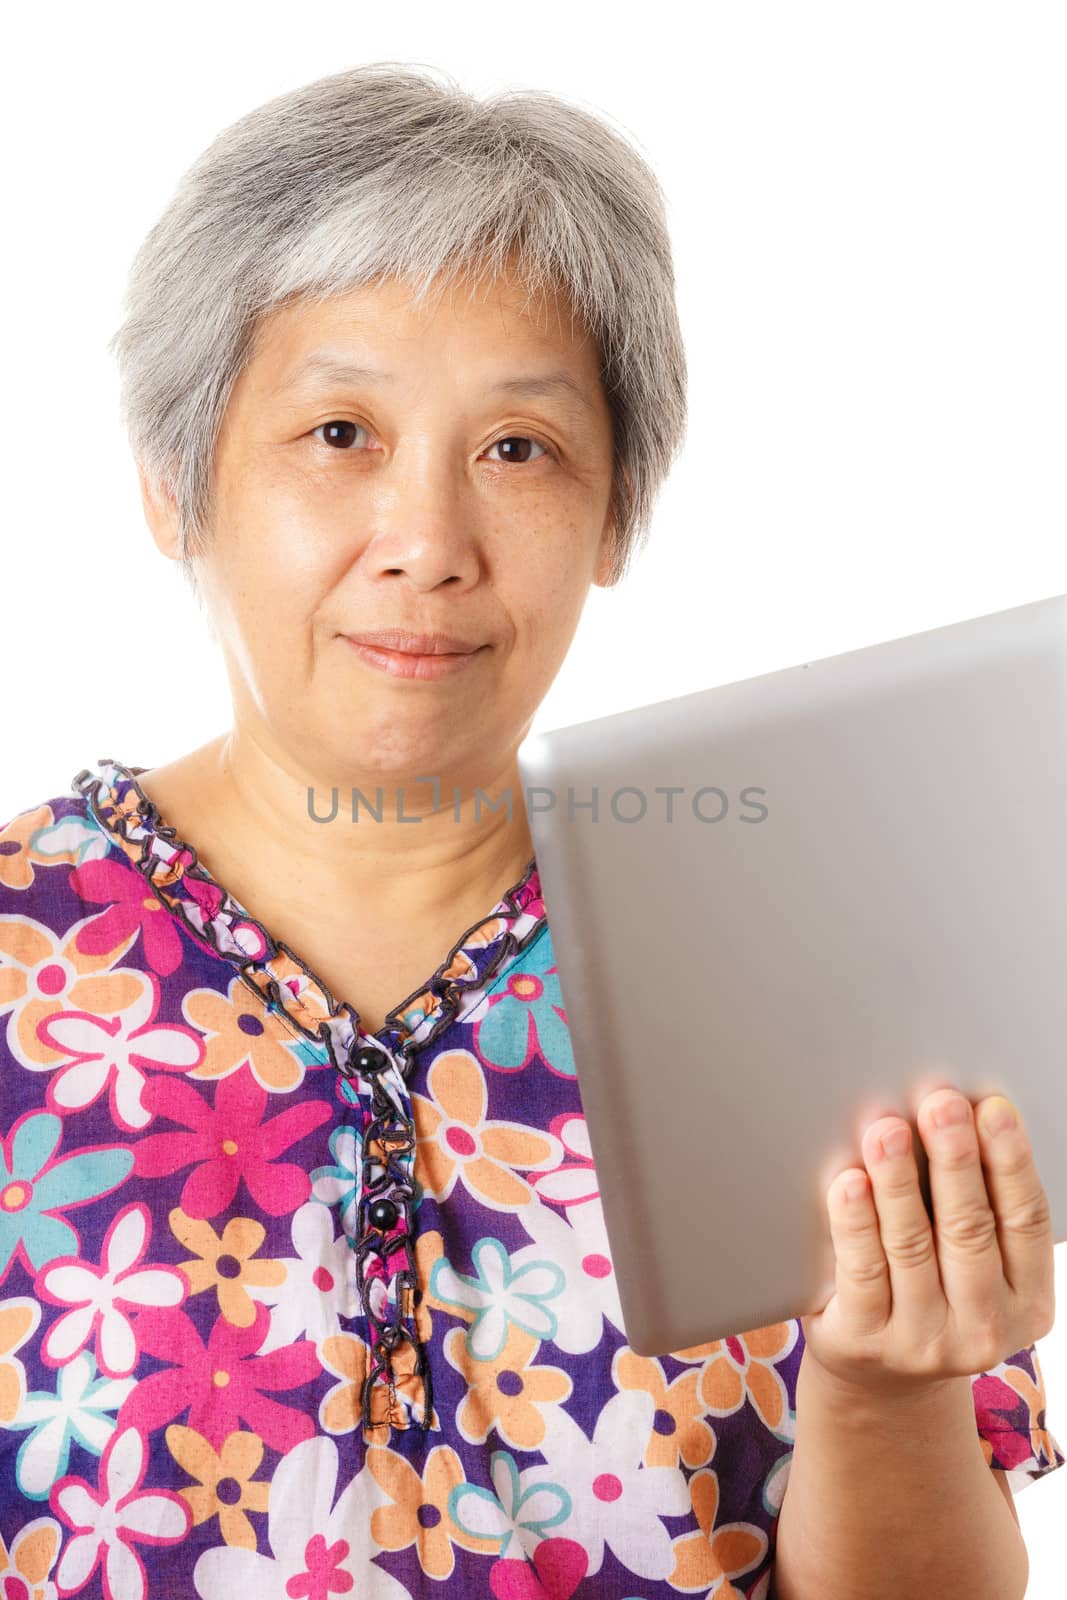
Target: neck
433 848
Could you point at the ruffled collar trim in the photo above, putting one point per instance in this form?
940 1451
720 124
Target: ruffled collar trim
287 986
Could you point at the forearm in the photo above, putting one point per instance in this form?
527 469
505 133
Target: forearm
885 1499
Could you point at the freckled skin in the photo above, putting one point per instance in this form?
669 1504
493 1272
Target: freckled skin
416 517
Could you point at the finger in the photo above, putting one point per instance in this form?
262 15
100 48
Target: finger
1020 1204
861 1279
965 1229
906 1234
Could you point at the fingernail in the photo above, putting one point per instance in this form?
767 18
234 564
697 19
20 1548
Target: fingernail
896 1143
998 1118
950 1113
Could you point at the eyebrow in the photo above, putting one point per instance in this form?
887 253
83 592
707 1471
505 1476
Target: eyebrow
324 364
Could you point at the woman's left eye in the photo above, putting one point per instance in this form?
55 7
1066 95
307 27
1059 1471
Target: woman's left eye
520 439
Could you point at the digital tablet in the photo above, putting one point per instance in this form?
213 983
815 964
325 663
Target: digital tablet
783 907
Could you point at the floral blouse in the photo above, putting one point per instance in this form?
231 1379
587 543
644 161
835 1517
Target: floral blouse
296 1311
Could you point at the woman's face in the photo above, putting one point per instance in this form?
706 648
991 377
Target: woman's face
428 498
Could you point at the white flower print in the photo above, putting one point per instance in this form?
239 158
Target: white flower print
78 1410
70 838
499 1293
340 1185
518 1514
617 1500
319 1285
578 1243
98 1294
312 1552
114 1050
575 1179
106 1521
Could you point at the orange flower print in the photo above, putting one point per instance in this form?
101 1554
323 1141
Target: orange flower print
429 1247
418 1513
224 1481
678 1429
505 1393
42 973
239 1030
708 1560
227 1265
454 1142
18 1319
743 1365
25 1567
18 848
341 1409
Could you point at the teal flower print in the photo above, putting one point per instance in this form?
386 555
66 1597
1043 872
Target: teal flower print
81 1409
526 1020
340 1185
516 1511
70 839
33 1187
499 1295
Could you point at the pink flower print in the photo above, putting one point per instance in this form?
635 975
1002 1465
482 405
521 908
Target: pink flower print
102 1296
107 1521
559 1565
132 906
995 1401
325 1575
222 1382
575 1179
207 894
112 1052
308 1540
230 1141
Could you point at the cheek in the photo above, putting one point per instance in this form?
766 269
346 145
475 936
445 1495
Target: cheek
552 606
262 615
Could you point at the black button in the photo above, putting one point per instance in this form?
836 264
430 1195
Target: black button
370 1061
366 1061
383 1214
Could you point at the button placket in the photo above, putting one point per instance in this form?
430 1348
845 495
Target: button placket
385 1261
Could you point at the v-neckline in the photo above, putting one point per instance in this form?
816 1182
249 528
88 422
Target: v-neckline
288 986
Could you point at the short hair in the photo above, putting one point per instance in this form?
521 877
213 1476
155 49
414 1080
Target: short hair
384 171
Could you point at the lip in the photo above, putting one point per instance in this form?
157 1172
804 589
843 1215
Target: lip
419 644
413 664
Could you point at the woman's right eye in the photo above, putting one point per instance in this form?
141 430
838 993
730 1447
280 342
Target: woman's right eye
334 424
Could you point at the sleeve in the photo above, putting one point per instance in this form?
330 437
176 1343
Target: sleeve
1009 1408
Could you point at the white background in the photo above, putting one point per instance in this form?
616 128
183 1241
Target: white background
867 210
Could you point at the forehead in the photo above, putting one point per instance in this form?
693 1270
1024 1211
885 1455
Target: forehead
356 335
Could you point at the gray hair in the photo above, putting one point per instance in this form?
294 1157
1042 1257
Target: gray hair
382 171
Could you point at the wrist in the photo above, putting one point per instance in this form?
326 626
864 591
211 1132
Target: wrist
882 1396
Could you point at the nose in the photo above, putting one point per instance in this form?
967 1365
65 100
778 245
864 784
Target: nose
426 530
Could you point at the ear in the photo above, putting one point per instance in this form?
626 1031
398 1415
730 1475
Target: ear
608 538
602 577
161 514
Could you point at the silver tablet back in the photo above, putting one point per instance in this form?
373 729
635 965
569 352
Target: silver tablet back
801 902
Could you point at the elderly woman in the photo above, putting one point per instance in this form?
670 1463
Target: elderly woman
306 1288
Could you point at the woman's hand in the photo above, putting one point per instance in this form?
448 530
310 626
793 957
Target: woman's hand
914 1304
